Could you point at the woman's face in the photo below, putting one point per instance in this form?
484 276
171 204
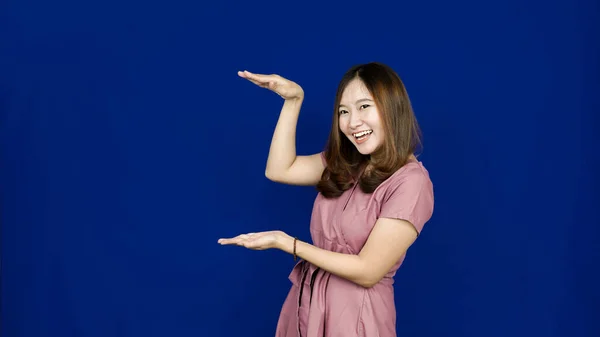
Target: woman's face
359 118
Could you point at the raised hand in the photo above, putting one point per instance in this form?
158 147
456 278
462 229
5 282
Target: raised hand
283 87
256 241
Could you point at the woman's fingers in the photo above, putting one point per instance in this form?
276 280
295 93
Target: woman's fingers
257 77
252 77
230 241
283 87
238 240
265 81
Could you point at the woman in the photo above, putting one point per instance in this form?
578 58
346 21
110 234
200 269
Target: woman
374 198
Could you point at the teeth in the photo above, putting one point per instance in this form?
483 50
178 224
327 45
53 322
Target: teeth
362 133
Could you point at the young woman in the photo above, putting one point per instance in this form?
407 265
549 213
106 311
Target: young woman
374 198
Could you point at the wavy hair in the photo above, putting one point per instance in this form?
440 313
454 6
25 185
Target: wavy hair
345 165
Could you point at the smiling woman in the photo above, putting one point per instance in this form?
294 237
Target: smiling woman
374 199
359 117
374 125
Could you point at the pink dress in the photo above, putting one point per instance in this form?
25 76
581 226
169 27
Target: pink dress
320 304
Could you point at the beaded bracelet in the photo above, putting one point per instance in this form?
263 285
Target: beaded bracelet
295 257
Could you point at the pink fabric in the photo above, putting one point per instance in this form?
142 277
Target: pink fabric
340 308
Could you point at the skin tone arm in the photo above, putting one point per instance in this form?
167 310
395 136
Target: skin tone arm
388 241
283 165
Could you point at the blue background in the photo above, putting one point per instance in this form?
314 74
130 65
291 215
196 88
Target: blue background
129 146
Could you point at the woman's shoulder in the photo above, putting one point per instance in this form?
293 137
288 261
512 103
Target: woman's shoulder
407 194
413 175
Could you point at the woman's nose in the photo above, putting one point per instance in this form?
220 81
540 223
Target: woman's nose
355 120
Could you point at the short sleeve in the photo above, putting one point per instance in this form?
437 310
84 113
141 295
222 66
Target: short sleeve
409 197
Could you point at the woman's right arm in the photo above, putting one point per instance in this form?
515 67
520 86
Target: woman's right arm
283 164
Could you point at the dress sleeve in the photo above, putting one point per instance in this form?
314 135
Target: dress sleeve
409 197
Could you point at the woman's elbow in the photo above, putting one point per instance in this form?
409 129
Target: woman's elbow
272 177
368 282
367 285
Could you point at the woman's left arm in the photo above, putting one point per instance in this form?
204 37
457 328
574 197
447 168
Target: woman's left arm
388 241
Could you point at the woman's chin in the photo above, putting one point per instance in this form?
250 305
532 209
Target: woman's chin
364 149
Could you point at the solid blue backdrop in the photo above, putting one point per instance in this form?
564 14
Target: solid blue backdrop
129 146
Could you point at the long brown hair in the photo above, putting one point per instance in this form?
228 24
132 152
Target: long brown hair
401 139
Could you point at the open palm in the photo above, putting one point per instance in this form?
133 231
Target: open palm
283 87
256 241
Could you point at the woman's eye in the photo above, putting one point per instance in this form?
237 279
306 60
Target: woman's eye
343 112
364 106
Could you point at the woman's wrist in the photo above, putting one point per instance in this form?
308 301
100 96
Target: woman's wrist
295 101
285 243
